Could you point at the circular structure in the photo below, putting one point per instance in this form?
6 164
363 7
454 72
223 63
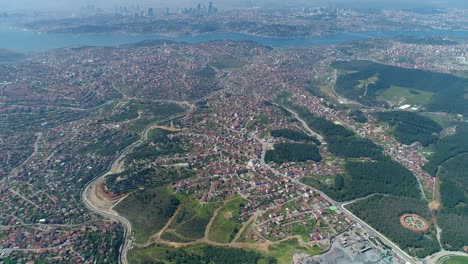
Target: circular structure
414 222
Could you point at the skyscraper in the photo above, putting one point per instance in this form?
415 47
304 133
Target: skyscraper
210 8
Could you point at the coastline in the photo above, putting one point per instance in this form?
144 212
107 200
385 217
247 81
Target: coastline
25 40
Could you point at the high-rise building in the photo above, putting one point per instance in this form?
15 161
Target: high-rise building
210 8
150 12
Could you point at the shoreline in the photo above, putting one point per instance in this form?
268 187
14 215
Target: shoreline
249 34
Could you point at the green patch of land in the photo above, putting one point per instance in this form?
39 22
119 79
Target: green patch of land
294 136
365 178
148 211
226 224
443 119
158 144
110 143
342 142
363 85
448 147
396 95
297 152
147 109
227 62
205 72
304 229
192 219
171 235
136 179
449 163
453 216
198 254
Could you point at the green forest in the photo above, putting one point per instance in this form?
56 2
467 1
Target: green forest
293 152
449 163
364 178
294 136
449 90
354 147
409 127
380 175
341 141
358 116
448 147
383 213
453 217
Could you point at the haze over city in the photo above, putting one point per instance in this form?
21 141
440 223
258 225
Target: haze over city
66 5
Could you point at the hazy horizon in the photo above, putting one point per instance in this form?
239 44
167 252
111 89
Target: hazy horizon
70 5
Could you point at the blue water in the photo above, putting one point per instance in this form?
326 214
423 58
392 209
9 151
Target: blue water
25 41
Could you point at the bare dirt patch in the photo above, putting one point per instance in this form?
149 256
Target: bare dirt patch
228 215
434 205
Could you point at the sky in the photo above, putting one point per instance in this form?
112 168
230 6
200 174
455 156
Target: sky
8 5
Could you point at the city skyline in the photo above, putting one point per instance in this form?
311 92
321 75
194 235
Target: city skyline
69 5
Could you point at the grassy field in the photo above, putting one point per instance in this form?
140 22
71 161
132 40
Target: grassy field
454 260
148 211
327 91
284 251
192 220
171 235
226 223
444 120
216 255
152 253
402 95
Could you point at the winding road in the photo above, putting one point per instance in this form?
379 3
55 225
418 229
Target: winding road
96 204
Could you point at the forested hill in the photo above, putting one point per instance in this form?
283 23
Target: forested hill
448 90
449 163
409 127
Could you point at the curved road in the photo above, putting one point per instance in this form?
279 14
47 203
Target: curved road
89 191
